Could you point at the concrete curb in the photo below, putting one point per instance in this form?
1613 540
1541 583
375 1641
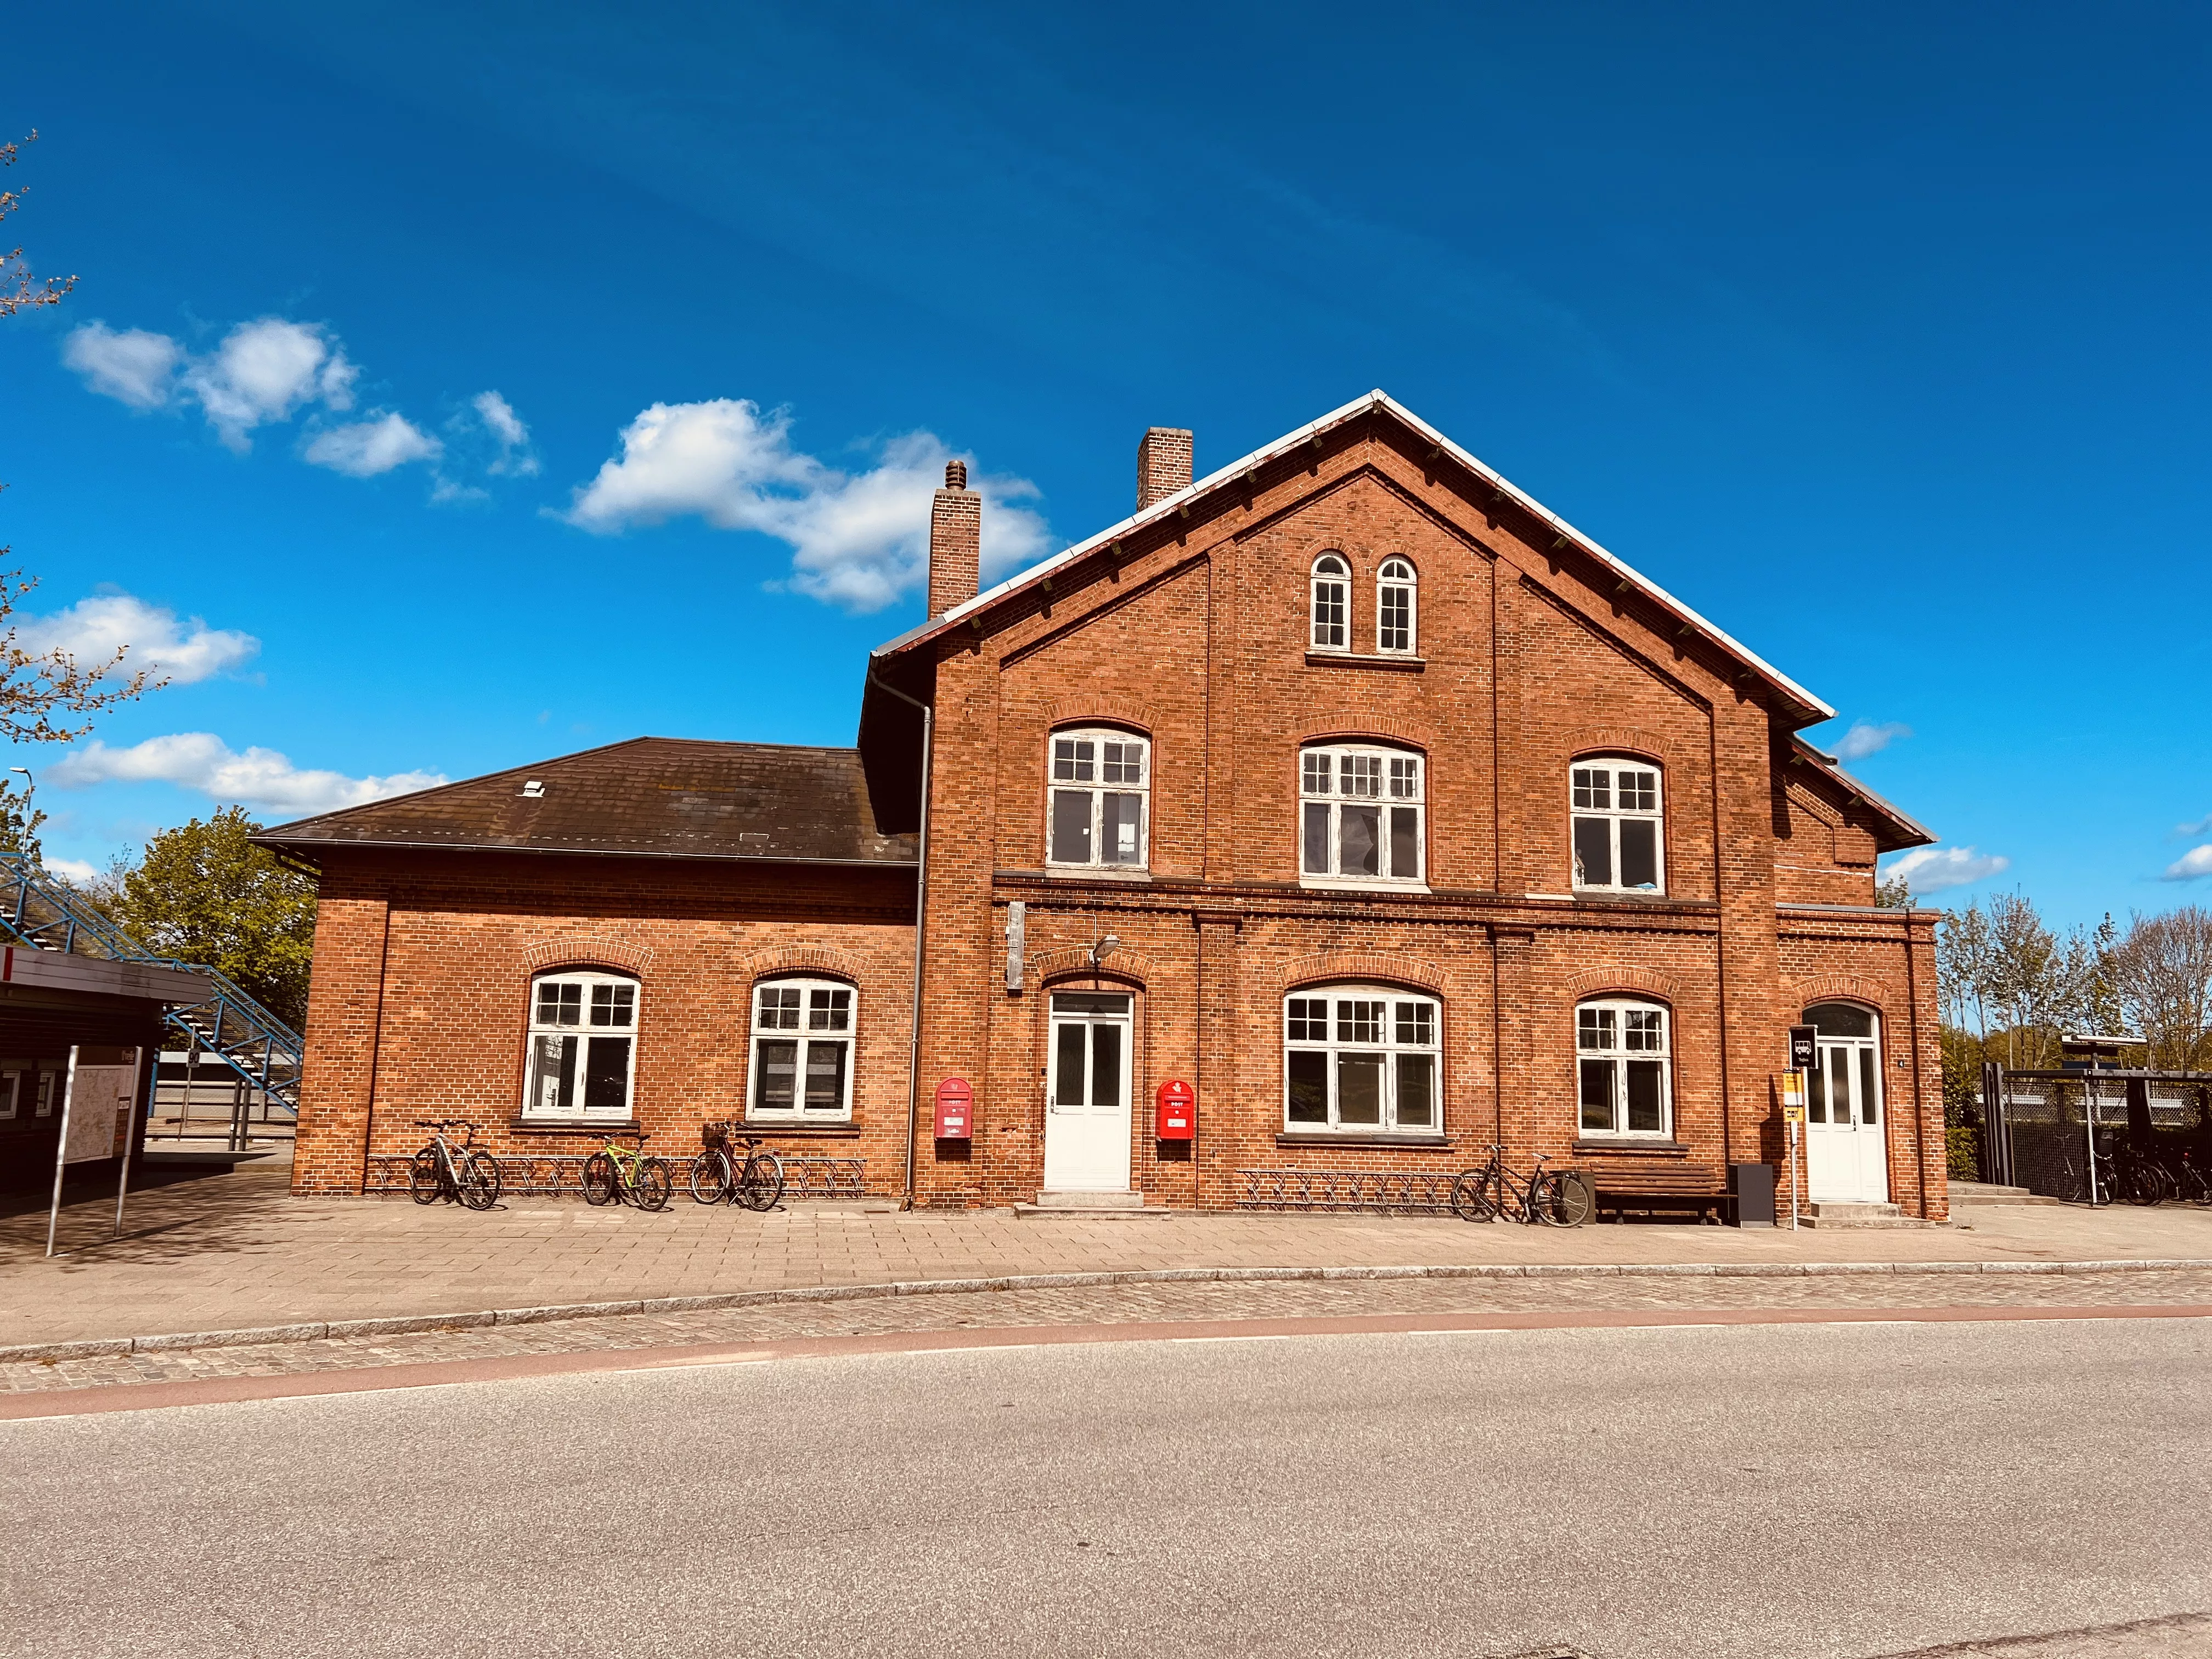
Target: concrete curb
98 1347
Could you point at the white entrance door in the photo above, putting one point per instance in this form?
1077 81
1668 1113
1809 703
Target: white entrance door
1846 1140
1086 1119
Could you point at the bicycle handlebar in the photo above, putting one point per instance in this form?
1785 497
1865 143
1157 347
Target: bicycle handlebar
447 1123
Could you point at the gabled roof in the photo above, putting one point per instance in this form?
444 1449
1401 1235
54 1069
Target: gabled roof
647 798
1812 708
1896 831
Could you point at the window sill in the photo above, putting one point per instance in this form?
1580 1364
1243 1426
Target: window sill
1326 1137
1407 664
1615 895
1634 1145
572 1125
1343 885
1096 872
842 1130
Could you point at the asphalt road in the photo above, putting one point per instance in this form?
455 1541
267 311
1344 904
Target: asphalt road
1766 1490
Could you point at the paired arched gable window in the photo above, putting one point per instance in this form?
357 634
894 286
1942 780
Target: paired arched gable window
1329 591
1618 819
1361 1058
1101 798
582 1045
1625 1065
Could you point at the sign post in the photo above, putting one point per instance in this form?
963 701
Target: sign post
62 1159
1793 1119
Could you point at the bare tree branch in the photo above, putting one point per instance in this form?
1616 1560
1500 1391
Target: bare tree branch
19 289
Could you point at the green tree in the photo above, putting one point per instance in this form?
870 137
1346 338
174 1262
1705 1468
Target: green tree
204 894
19 824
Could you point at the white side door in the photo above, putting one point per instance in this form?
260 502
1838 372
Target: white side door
1846 1140
1086 1118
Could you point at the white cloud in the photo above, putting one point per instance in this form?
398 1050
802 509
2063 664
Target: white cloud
1934 869
2195 862
266 370
180 651
133 367
376 445
516 457
1866 738
2196 829
259 777
858 540
74 871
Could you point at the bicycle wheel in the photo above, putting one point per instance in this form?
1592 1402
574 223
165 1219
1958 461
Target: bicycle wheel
1507 1198
423 1184
1468 1202
652 1186
481 1180
710 1176
1573 1199
2141 1184
761 1184
601 1184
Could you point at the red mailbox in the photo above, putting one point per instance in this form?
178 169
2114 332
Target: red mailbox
956 1109
1177 1111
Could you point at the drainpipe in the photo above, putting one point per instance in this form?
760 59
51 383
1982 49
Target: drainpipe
920 896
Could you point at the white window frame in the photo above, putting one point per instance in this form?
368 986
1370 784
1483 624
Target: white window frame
1089 776
1397 577
1335 775
602 1014
1409 1029
1616 1032
12 1075
812 1023
1331 571
1599 803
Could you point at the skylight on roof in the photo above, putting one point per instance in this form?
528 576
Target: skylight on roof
534 789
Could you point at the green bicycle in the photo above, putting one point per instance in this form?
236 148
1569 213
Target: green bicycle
617 1172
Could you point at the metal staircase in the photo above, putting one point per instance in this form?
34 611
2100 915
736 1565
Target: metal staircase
228 1023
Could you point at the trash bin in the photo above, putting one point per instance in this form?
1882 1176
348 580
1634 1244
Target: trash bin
1751 1194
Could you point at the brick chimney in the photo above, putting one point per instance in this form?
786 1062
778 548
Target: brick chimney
1163 464
955 541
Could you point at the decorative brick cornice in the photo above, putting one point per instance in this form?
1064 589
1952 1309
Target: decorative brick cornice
1356 728
1390 969
1840 987
1620 740
1643 981
1101 711
1132 965
798 959
587 951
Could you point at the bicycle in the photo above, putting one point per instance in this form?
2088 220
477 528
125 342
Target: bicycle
1556 1198
617 1172
717 1173
2189 1185
460 1174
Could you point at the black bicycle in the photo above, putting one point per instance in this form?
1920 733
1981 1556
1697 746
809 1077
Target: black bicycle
750 1176
1554 1198
458 1174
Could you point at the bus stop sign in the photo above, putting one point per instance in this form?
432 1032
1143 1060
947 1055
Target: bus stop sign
1803 1040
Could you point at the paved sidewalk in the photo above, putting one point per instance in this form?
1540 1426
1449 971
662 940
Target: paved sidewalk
237 1251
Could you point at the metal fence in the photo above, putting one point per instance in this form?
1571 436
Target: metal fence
2038 1126
562 1175
1375 1192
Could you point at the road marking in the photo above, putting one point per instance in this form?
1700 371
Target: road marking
506 1367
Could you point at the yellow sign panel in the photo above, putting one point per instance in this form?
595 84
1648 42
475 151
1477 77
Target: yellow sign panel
1793 1114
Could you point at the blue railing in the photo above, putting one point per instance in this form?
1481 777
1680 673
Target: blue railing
228 1023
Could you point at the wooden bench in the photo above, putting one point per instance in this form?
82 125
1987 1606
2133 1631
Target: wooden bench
1680 1189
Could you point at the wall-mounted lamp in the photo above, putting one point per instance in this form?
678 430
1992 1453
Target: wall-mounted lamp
1111 942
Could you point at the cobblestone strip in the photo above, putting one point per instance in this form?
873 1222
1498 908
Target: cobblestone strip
1081 1299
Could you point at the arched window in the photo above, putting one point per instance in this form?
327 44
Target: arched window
1618 816
583 1045
802 1060
1359 813
1845 1086
1363 1059
1624 1059
1101 788
1395 617
1331 603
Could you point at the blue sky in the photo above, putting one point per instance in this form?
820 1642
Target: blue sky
1875 333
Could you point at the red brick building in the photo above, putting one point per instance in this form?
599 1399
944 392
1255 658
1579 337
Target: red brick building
1349 786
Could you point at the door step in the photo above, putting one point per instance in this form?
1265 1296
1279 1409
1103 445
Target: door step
1131 1205
1858 1215
1967 1195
